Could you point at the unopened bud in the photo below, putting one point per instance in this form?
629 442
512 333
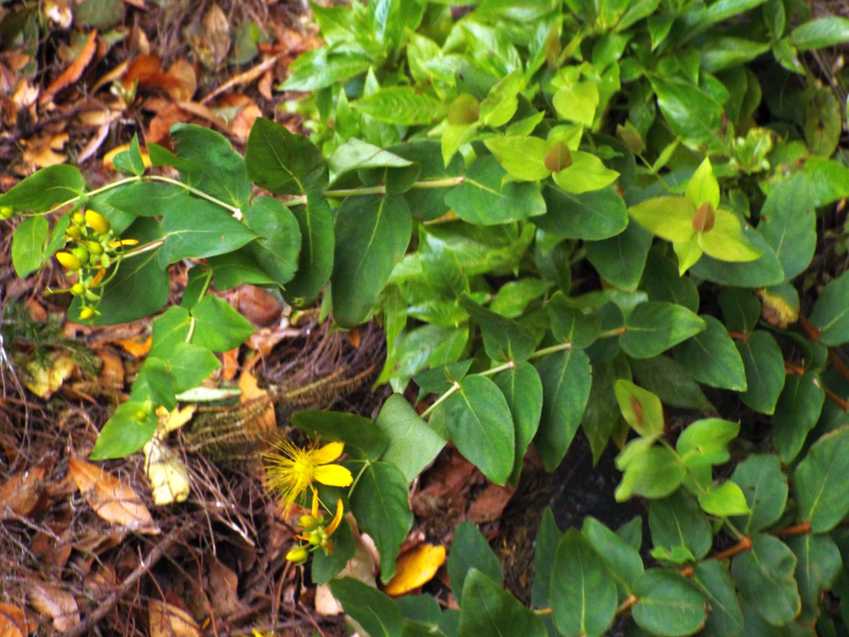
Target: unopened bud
704 218
558 158
465 109
6 212
96 222
86 313
68 261
298 555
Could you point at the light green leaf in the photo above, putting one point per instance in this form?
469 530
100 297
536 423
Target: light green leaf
324 67
586 173
640 408
726 240
669 218
763 272
500 104
577 102
724 500
29 243
820 33
413 445
703 186
218 327
128 429
522 156
400 105
705 442
356 154
654 473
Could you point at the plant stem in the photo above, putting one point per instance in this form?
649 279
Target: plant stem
147 247
341 193
199 193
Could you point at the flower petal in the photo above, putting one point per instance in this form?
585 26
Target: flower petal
337 518
333 475
328 453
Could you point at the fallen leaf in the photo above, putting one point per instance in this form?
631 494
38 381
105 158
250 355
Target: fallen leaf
223 589
267 420
41 151
244 78
111 499
416 568
13 621
168 620
204 112
109 157
112 369
241 112
135 347
490 503
101 582
19 494
185 81
173 420
51 552
169 478
161 124
111 75
259 306
44 382
73 72
229 364
210 39
55 603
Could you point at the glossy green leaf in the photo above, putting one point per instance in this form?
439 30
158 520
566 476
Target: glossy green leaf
577 102
282 162
355 154
323 67
798 410
677 521
487 605
765 486
513 297
484 198
481 427
669 218
522 156
669 605
522 388
586 173
413 445
470 550
218 327
703 186
816 479
654 327
583 593
820 33
765 374
566 381
765 579
400 105
380 505
724 500
591 216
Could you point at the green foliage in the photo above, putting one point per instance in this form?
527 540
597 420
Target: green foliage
567 216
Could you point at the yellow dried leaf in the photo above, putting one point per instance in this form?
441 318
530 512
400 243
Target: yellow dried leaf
167 620
55 603
416 568
136 348
169 421
169 479
267 420
108 158
110 498
44 382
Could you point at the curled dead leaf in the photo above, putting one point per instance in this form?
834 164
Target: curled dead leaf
74 70
169 478
267 420
19 494
223 586
111 499
416 568
135 347
111 369
13 621
42 151
168 620
210 39
55 603
45 381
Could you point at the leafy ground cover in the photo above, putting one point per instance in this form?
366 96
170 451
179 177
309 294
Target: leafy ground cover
614 226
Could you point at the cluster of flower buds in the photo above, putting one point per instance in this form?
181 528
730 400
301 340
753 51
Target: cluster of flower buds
6 212
90 248
315 532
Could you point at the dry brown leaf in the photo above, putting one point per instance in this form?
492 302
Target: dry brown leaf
489 504
111 370
229 364
41 151
111 75
167 620
223 589
110 498
267 420
143 69
55 603
73 72
240 111
259 306
101 582
161 124
45 381
264 85
185 80
210 40
416 568
51 552
13 621
204 112
36 310
135 347
168 476
19 494
243 78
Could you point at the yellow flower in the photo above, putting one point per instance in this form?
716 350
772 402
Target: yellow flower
68 261
290 470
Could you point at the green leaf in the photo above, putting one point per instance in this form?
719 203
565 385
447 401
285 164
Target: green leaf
428 203
586 173
272 258
364 439
488 605
577 102
713 358
601 418
655 473
400 105
714 581
669 218
375 611
356 154
654 327
798 410
703 186
545 548
765 578
640 408
818 478
621 560
763 272
130 161
323 567
569 324
380 505
818 563
100 14
44 189
705 442
522 388
765 486
620 260
741 309
372 234
29 243
692 113
566 382
169 330
284 163
584 601
823 121
820 33
724 500
155 383
481 427
324 67
831 312
673 383
218 327
207 161
704 16
669 605
789 224
591 216
470 550
724 52
676 521
513 297
484 198
128 429
413 445
315 263
503 339
522 156
500 104
191 365
195 229
765 374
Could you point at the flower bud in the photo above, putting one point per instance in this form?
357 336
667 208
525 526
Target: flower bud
704 218
297 554
465 109
6 212
94 247
78 218
68 261
77 289
86 313
104 261
96 222
81 253
73 233
558 157
308 522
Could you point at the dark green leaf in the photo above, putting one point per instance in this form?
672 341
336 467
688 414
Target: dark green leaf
373 610
691 113
522 388
602 417
470 550
765 578
44 189
797 412
663 283
380 505
315 263
765 376
503 339
818 478
677 521
831 312
413 445
323 567
654 327
487 605
669 605
765 486
363 437
713 358
671 381
282 162
741 309
218 327
592 216
278 244
621 559
763 272
789 224
545 549
238 268
818 565
714 581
